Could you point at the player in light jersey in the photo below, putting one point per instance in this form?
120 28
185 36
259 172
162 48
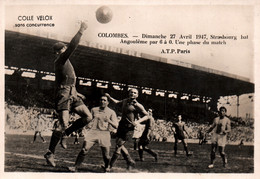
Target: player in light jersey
39 127
220 127
98 131
138 130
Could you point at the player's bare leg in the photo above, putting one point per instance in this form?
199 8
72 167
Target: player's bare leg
64 121
43 140
106 157
185 145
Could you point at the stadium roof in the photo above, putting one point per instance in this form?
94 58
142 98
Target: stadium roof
35 52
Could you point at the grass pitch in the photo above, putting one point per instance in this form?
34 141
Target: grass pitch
22 156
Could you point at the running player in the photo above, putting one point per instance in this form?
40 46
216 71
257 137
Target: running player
67 98
130 108
98 131
178 130
221 127
146 137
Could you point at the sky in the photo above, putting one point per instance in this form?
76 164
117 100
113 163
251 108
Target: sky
245 108
235 57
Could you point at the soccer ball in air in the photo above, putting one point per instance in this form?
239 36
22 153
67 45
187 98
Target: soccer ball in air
104 14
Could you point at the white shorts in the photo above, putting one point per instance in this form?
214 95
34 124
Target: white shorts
138 131
220 139
91 137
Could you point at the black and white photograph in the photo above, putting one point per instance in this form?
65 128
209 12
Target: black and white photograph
105 88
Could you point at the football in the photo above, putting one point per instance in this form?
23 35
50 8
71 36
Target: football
104 14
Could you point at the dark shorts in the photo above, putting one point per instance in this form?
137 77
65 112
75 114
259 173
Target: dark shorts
179 136
67 98
125 132
144 141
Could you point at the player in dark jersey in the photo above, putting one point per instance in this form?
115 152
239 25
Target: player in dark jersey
130 108
146 137
66 96
202 136
179 129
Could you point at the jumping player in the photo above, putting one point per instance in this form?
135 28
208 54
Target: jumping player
221 127
146 137
66 96
178 130
98 132
130 108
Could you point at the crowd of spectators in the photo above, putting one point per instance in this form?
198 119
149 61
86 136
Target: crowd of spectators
163 131
21 119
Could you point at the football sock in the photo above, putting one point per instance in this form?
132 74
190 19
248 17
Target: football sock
150 152
114 159
140 152
34 137
175 149
76 125
106 161
212 157
55 138
80 158
186 149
